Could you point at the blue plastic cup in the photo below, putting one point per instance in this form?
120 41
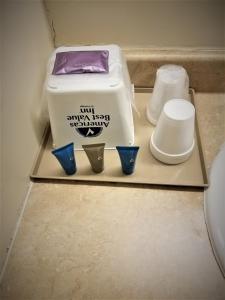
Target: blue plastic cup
65 156
128 156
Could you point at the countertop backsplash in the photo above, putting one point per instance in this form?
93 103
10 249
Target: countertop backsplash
206 68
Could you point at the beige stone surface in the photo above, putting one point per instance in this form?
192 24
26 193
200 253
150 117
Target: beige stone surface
212 123
112 242
206 68
92 242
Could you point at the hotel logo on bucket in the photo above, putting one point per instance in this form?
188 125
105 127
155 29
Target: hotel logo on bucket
87 123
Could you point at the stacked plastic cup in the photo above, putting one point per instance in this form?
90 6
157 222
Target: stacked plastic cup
172 141
171 82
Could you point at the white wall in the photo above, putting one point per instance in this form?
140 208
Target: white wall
1 232
139 23
26 46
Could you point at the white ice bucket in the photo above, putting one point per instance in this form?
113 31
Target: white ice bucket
91 108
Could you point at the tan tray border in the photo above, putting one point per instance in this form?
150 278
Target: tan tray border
44 142
197 131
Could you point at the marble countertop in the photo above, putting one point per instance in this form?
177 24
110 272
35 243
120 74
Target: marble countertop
204 67
80 241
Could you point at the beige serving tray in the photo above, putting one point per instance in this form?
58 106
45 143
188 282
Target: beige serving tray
148 170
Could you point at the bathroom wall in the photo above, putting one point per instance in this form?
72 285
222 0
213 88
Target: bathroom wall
1 233
27 44
138 23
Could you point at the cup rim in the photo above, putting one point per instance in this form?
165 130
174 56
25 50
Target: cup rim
150 119
168 155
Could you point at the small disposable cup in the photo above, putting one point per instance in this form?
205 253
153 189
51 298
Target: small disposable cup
172 141
171 82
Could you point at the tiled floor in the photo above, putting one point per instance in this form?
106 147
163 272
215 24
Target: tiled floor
95 242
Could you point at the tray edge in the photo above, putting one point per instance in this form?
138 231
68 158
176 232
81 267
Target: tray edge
44 140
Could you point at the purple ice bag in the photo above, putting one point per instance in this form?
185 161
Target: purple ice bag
77 62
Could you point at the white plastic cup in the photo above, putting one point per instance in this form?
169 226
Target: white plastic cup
171 82
172 141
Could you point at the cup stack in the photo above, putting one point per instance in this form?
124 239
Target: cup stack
171 82
172 141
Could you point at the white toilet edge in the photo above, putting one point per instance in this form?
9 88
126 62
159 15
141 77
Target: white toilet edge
214 204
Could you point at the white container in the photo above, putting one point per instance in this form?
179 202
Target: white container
214 207
91 108
172 141
171 82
